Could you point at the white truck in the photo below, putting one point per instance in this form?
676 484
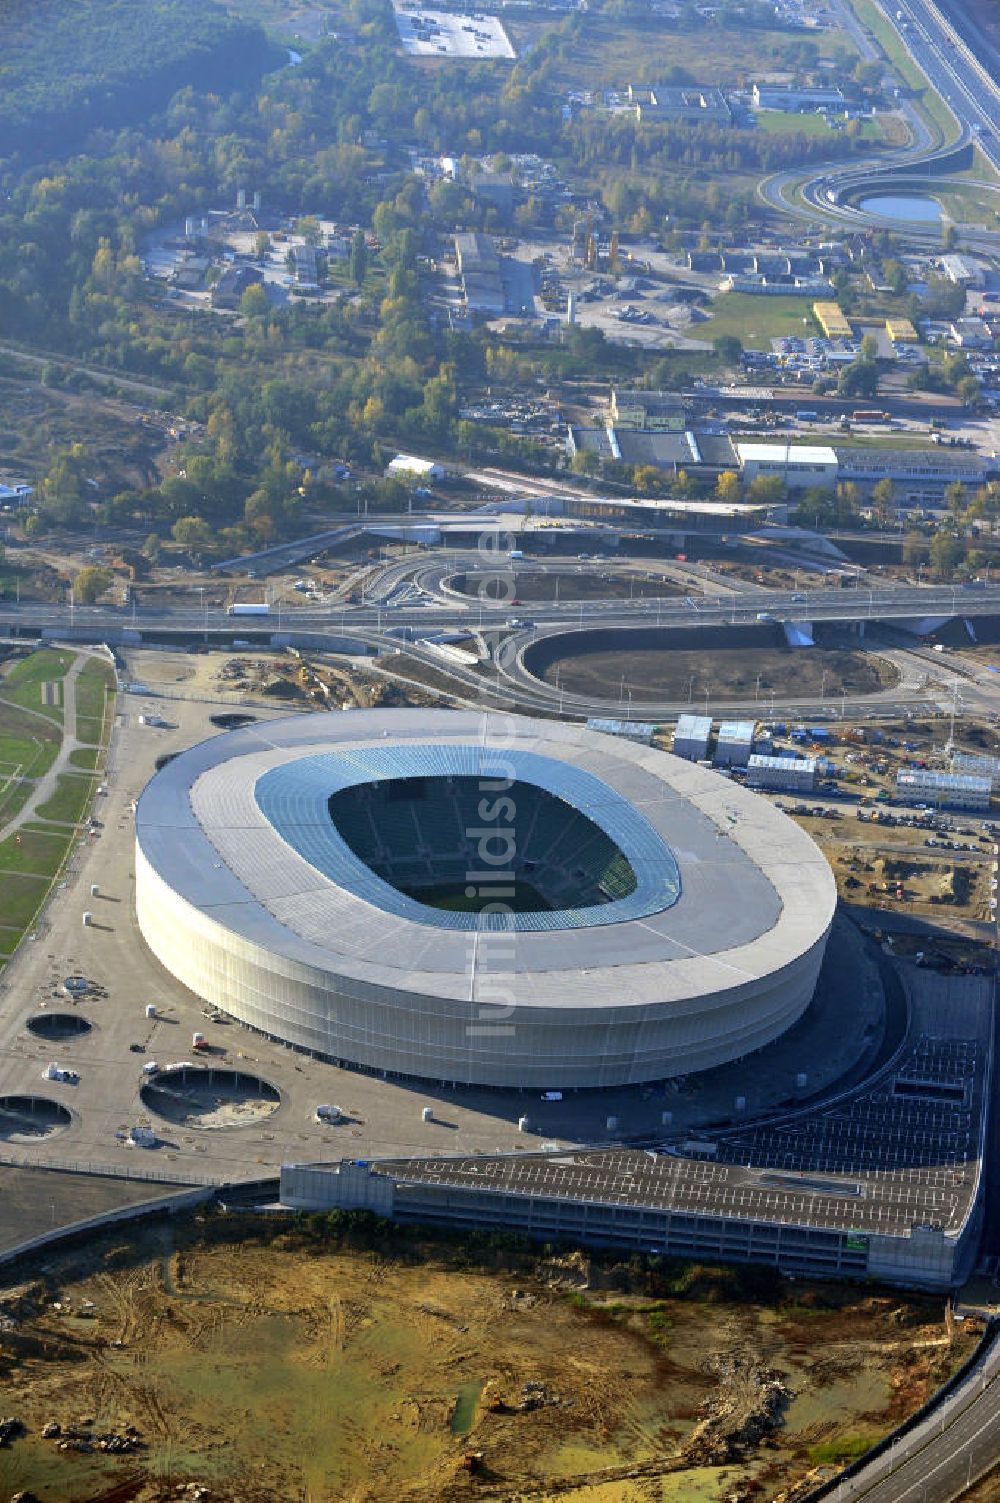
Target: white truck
247 608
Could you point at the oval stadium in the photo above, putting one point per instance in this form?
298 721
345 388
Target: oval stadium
480 898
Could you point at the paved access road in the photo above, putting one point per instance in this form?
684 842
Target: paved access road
942 1457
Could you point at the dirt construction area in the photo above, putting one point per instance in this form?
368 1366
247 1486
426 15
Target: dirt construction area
722 662
191 1362
541 586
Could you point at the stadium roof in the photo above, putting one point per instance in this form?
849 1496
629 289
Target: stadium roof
294 797
755 892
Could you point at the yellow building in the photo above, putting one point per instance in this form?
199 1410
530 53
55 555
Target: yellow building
901 331
832 321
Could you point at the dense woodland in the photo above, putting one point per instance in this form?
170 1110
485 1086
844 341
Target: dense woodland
327 137
65 68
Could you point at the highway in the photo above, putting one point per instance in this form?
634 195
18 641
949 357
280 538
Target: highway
739 607
970 91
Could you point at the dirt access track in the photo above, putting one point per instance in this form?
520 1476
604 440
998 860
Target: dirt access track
279 1364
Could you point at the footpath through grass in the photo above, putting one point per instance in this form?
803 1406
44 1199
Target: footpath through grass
32 857
35 683
29 742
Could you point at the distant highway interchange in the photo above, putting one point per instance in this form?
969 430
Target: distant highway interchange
942 43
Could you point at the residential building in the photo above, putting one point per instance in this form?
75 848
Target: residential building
496 188
232 284
662 411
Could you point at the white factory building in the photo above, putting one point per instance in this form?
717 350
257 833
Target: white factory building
797 466
787 774
735 743
691 737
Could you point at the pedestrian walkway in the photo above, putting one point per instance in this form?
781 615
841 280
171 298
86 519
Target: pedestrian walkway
47 784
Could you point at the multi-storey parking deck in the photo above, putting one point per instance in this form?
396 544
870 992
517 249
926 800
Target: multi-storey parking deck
883 1183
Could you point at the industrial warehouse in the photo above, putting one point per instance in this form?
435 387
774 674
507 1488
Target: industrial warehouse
640 917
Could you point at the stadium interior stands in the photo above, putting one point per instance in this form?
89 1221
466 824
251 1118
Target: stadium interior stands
425 836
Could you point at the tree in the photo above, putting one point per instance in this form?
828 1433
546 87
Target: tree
728 348
768 489
728 487
956 497
151 547
191 532
254 301
946 554
884 501
869 348
859 379
359 258
90 583
848 501
967 390
914 548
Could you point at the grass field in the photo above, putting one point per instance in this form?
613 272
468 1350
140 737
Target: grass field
71 797
758 320
92 685
85 757
453 897
784 123
23 685
612 51
28 743
31 858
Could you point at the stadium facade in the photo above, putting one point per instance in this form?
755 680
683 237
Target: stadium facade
480 898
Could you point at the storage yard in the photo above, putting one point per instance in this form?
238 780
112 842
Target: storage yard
288 1367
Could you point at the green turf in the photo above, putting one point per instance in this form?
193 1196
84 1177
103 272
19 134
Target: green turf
23 684
22 898
28 747
453 897
93 683
789 123
33 856
758 320
85 757
847 1448
70 799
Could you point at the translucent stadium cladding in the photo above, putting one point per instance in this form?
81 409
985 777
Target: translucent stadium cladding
685 924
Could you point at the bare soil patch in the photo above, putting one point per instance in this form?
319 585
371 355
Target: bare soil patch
724 663
284 1363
